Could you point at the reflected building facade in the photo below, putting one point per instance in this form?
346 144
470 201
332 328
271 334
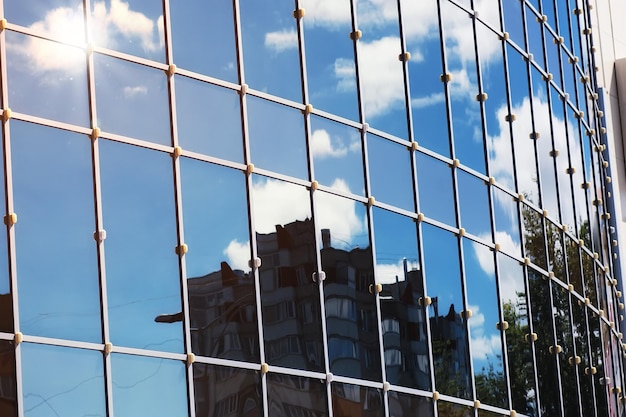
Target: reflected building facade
376 208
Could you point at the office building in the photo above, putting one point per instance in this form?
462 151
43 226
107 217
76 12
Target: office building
312 208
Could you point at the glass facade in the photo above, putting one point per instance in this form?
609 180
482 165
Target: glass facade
305 208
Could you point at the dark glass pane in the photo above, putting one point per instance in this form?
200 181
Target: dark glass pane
143 279
221 391
222 303
542 314
518 338
474 204
47 79
132 26
148 386
353 400
277 139
583 349
406 405
402 306
436 198
448 329
391 179
8 393
56 254
331 74
453 410
351 319
270 48
6 303
132 100
486 343
208 119
77 388
337 155
285 240
289 396
597 360
534 236
196 27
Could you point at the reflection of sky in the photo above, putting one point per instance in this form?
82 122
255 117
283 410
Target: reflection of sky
53 186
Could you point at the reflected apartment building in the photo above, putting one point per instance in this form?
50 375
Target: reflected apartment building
311 208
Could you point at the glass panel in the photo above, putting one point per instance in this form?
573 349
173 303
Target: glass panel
353 400
519 354
270 48
453 410
289 396
148 386
507 222
573 264
134 27
6 302
406 405
564 338
553 52
582 343
534 237
525 159
8 390
132 100
285 240
77 388
221 391
337 155
402 307
466 117
562 132
351 320
143 279
208 119
380 71
390 175
576 154
56 254
535 39
542 313
47 79
474 204
513 21
273 127
421 32
222 301
436 198
486 343
331 75
448 330
196 27
48 16
597 362
589 278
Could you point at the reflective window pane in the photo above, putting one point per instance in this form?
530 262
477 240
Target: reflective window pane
222 306
349 400
196 27
351 319
144 385
208 119
47 79
436 198
143 280
403 314
132 100
133 26
406 405
390 172
296 396
8 393
285 241
448 329
474 204
53 193
270 48
76 389
277 139
337 155
221 390
6 303
48 16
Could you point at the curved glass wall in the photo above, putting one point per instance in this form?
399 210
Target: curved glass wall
305 208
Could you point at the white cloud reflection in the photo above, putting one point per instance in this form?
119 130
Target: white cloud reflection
281 40
322 146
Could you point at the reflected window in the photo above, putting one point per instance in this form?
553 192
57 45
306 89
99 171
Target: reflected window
351 400
293 396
